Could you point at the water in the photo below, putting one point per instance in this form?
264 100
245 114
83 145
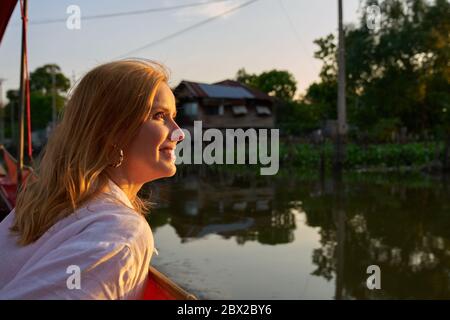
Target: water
242 236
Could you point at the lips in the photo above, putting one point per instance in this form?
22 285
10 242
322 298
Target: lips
168 152
168 146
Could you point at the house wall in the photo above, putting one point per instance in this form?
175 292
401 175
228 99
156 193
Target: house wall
227 119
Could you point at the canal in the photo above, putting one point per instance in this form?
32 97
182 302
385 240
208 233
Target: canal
232 235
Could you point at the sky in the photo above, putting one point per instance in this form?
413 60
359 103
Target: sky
264 35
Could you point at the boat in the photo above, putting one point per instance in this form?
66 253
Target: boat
160 287
15 173
8 178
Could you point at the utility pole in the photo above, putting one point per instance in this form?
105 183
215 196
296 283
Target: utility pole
2 114
22 96
12 121
341 104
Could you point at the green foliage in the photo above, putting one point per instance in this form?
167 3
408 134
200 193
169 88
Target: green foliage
399 71
381 155
41 80
42 109
389 155
277 83
327 53
301 155
397 76
384 129
40 99
297 117
322 97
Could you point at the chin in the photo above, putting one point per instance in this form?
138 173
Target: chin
163 170
170 171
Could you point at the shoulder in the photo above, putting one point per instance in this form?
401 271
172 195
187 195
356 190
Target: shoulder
102 230
105 271
112 222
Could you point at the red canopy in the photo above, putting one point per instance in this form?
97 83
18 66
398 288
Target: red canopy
6 10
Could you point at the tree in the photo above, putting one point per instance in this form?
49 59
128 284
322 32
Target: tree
397 74
41 80
277 83
40 98
247 78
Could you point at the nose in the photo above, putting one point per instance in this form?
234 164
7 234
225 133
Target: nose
177 135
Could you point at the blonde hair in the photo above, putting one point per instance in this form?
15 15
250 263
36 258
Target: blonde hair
106 108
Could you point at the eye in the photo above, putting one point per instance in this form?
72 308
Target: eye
159 115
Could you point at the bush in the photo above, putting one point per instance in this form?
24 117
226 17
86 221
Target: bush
380 155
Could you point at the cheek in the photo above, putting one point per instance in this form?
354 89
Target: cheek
149 140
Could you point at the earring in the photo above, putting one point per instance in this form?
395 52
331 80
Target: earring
116 165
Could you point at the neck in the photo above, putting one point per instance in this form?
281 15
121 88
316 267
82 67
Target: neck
129 188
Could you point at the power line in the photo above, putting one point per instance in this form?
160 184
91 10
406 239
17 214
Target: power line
128 13
291 23
294 30
196 25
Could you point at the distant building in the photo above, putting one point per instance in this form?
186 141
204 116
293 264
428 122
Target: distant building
225 104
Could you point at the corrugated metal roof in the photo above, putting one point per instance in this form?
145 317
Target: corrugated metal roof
195 89
256 93
219 91
227 89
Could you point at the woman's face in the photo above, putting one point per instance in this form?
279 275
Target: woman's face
151 155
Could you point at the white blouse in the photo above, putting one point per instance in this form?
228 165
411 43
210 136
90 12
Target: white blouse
101 251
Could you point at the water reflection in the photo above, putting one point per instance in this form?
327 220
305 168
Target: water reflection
231 207
400 223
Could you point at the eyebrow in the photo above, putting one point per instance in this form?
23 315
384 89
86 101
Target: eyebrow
165 109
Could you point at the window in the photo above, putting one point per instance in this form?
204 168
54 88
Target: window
239 110
214 110
263 111
190 108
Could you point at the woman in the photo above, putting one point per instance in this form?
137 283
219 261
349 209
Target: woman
78 229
